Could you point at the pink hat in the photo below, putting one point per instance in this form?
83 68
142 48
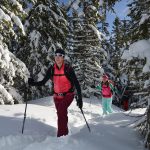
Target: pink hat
105 76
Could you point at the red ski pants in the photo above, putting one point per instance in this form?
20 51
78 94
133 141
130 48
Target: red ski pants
62 103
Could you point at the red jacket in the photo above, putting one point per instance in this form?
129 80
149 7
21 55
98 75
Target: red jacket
61 82
69 74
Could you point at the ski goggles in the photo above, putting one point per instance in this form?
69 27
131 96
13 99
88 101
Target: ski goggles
59 55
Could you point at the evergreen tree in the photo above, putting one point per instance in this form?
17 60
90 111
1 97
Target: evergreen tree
46 30
84 44
139 29
13 74
119 42
140 20
12 15
137 68
107 43
135 29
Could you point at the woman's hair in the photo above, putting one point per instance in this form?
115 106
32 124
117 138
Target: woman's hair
106 83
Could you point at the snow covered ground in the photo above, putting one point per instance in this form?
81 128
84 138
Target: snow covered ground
112 132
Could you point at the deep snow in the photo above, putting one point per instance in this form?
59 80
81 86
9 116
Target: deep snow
114 131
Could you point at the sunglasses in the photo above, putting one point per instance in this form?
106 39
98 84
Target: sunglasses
59 55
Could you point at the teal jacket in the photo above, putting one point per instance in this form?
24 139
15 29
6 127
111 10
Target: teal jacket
112 87
99 87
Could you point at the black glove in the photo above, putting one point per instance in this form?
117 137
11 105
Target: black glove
31 81
93 86
79 102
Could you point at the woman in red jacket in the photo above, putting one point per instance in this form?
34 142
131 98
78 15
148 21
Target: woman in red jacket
64 81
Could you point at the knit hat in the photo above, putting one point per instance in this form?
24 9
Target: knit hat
60 51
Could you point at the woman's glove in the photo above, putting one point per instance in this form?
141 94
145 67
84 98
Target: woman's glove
79 102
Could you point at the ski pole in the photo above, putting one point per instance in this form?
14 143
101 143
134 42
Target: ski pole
85 120
76 97
24 117
27 88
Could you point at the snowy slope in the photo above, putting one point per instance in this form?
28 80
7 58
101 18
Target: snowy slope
109 132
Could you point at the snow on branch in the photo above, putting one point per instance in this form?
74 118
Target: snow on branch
141 50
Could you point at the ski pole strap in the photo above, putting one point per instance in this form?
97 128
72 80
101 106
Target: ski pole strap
85 120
